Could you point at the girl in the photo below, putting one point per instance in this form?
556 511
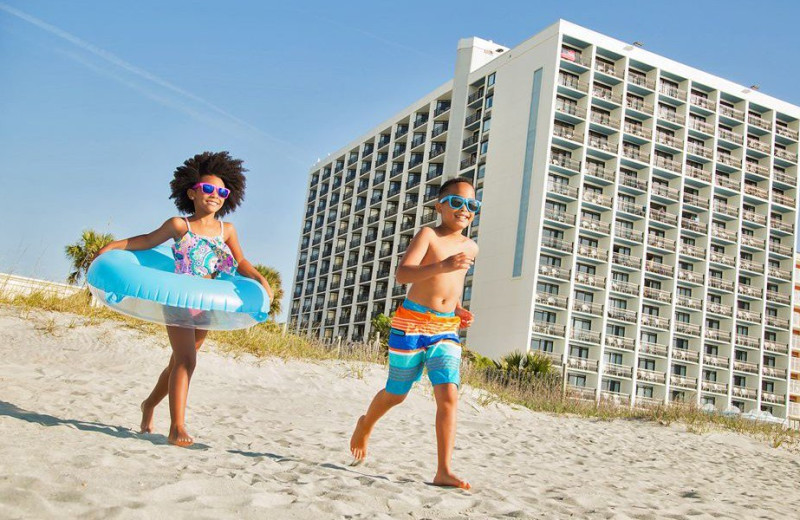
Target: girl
207 186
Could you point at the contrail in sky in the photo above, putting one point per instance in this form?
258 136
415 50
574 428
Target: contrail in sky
137 71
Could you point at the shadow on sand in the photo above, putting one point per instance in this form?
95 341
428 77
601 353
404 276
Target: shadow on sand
120 432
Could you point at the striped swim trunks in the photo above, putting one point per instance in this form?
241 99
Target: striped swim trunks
421 337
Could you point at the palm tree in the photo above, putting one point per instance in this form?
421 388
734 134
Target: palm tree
274 279
82 252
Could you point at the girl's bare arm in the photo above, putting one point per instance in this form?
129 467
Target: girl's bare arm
169 229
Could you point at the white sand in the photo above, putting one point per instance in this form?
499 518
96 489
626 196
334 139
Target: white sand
273 436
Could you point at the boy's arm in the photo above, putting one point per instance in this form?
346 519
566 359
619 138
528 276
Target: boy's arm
168 229
245 268
410 270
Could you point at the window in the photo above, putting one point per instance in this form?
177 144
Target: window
647 364
544 316
576 380
489 101
491 79
487 124
543 345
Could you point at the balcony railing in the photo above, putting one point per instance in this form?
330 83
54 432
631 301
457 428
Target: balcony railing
564 162
720 283
587 307
701 126
648 320
595 225
691 329
654 349
694 225
751 266
769 397
553 300
590 280
664 217
629 207
561 273
587 336
745 315
573 110
599 171
557 243
690 303
698 173
744 366
563 189
693 251
759 122
633 182
731 112
782 199
567 81
658 295
775 272
715 361
683 381
629 234
607 68
776 346
749 290
582 363
597 198
784 177
607 95
558 131
633 153
718 335
625 287
627 260
604 119
755 144
690 276
665 191
730 136
615 370
713 386
661 242
560 216
729 160
699 150
755 218
778 248
756 191
686 355
725 182
620 342
668 140
695 200
641 81
622 314
786 132
672 117
640 106
651 376
703 102
781 225
594 253
672 91
726 209
719 308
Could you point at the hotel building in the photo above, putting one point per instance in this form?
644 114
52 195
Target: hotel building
638 223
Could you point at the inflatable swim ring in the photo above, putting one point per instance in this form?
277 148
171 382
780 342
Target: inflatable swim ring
143 284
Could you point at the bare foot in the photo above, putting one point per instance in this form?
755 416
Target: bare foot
358 442
179 437
449 480
147 417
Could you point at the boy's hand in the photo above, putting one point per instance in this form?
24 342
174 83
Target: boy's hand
466 317
457 262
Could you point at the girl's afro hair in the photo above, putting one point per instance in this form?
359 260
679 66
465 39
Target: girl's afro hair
219 164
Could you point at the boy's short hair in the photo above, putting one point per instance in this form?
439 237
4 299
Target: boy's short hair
450 182
219 164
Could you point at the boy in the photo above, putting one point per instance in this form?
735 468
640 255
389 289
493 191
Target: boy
424 330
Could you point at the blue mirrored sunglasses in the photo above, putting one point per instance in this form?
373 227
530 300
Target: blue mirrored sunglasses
457 202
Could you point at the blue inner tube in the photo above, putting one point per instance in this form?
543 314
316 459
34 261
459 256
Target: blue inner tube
143 284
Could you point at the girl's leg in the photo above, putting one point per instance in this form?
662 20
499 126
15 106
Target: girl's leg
161 389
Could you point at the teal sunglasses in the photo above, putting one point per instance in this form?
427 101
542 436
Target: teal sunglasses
457 202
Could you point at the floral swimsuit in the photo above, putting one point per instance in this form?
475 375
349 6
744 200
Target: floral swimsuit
203 256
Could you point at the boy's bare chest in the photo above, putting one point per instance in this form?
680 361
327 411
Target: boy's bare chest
444 249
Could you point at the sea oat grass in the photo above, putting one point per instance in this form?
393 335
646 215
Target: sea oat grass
541 393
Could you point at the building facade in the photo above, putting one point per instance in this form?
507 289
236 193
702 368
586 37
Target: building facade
638 222
794 361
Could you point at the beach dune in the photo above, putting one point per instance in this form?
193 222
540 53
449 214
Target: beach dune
272 442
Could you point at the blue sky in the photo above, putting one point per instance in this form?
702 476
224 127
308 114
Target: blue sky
100 101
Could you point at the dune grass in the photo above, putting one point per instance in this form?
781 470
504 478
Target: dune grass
541 394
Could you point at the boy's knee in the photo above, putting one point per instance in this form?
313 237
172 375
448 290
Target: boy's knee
394 399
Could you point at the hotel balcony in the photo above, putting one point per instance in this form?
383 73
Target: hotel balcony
663 217
779 249
731 112
751 316
755 218
741 391
782 199
553 300
795 367
609 69
629 234
567 81
784 178
600 172
749 290
666 244
715 361
557 243
786 132
622 314
756 191
620 342
748 341
571 109
658 268
686 355
781 274
558 131
547 328
582 363
654 349
604 119
641 81
753 267
638 130
769 397
615 397
778 297
702 102
581 392
651 376
696 304
720 283
561 217
633 153
701 126
726 209
780 225
586 336
672 117
693 251
774 372
718 335
776 346
694 225
597 198
624 288
696 201
639 106
633 209
759 122
665 191
562 189
669 140
730 136
794 386
612 369
590 280
755 144
683 381
607 95
713 386
690 329
633 262
658 295
559 160
561 273
729 160
727 183
698 173
588 308
719 308
594 253
744 366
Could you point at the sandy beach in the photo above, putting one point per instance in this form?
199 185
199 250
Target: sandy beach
272 440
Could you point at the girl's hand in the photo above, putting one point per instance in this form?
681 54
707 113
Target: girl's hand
466 317
267 288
